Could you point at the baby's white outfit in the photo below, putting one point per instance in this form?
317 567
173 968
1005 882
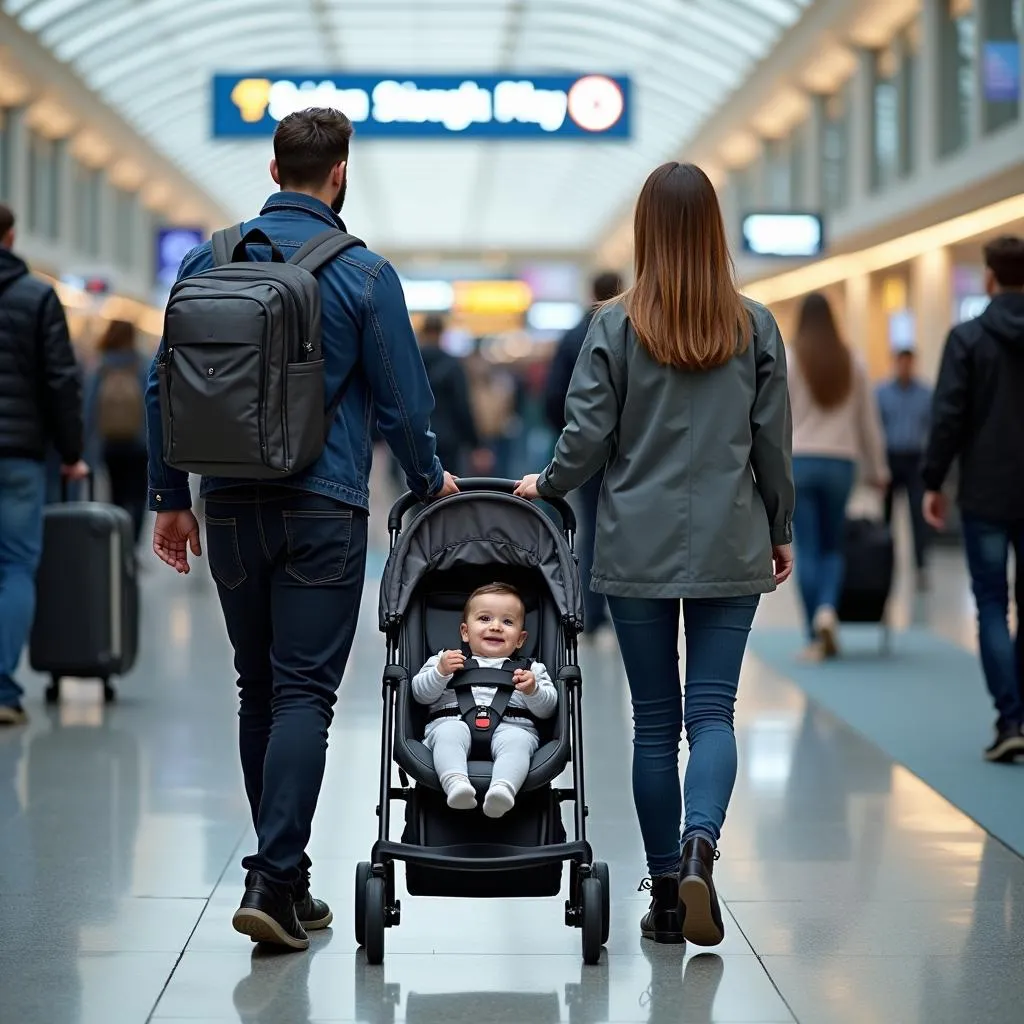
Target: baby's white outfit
513 742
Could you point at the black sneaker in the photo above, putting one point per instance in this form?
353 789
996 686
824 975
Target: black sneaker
267 914
664 921
702 914
1008 744
313 914
13 714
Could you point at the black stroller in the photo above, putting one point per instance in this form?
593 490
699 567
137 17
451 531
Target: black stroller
450 547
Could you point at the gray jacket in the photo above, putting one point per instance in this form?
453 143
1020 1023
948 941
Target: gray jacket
698 480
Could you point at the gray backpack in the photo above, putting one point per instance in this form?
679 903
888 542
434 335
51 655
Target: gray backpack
241 377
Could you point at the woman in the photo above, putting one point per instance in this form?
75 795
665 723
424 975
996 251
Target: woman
116 418
835 424
680 396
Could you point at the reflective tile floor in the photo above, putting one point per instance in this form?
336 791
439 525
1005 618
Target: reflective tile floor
854 893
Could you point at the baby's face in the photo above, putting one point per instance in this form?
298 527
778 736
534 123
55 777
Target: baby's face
495 626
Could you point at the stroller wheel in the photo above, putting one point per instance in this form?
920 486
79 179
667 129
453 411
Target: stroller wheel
591 901
363 871
602 875
376 896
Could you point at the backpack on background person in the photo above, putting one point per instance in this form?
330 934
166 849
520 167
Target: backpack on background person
120 404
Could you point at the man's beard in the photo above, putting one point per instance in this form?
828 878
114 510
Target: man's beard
339 199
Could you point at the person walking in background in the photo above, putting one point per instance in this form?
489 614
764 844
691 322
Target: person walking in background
289 556
905 405
978 417
452 421
835 426
680 395
604 288
40 404
115 418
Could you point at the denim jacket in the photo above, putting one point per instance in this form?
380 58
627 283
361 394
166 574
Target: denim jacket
366 332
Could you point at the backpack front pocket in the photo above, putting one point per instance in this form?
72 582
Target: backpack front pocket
216 393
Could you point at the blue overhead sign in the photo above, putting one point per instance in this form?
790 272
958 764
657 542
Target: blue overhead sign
430 106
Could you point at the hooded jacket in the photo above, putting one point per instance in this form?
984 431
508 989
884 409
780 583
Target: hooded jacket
40 382
978 412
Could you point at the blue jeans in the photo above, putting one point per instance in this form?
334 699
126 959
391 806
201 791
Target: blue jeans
22 492
823 487
716 638
1002 656
289 569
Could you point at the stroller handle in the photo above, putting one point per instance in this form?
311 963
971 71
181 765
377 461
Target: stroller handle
480 483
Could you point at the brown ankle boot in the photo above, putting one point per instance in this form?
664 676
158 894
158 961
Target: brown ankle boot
702 921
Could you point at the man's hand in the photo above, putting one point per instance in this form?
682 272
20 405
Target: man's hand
934 508
782 556
76 471
450 662
173 534
525 680
527 487
449 486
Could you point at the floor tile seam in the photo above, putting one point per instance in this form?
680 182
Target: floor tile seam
195 927
764 967
816 705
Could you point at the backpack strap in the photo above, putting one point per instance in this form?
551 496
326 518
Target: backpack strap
224 243
323 248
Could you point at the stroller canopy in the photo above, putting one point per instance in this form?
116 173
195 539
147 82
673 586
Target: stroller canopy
479 528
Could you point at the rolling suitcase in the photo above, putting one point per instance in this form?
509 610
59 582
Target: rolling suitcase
87 602
867 583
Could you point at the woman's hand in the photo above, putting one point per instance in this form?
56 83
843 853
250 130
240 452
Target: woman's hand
527 487
782 554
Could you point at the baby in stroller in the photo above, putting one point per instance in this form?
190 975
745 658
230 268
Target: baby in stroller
492 630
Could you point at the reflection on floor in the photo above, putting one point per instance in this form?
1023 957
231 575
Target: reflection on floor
855 893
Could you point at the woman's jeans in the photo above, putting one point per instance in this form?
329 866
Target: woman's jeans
823 487
716 638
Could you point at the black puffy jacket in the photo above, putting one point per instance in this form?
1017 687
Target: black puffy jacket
40 382
978 412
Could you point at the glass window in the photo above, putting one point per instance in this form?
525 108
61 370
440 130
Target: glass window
959 30
87 209
911 46
124 227
797 165
778 174
1001 62
745 179
5 159
885 101
835 145
43 186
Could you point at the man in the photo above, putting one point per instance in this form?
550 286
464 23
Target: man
40 404
905 404
978 415
458 442
605 286
289 559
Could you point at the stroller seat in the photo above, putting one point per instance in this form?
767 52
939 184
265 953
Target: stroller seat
432 624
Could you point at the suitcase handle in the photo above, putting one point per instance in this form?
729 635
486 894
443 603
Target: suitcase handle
91 485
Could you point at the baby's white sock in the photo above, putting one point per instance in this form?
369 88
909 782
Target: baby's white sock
460 792
500 799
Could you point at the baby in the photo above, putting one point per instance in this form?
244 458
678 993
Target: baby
493 627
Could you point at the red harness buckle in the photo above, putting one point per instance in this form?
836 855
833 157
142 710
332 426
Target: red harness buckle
483 718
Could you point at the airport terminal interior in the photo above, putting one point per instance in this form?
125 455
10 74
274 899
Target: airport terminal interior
872 863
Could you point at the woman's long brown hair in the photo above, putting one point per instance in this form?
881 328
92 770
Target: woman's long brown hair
684 305
118 337
823 356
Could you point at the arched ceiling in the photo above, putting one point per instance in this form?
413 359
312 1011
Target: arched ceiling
152 60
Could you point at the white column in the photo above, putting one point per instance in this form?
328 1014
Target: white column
862 148
928 98
858 312
931 298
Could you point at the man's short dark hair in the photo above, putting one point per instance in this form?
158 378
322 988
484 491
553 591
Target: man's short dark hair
1004 256
606 286
6 219
308 143
433 325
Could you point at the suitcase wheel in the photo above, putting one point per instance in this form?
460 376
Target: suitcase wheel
109 693
52 695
